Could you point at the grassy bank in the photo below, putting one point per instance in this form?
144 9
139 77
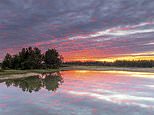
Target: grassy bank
109 68
12 72
97 68
26 73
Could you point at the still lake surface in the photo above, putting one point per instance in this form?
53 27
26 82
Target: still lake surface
79 92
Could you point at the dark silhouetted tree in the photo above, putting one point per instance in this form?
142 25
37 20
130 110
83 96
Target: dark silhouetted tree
32 58
118 63
52 58
6 64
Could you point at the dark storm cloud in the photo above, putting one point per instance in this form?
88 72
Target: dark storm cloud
87 24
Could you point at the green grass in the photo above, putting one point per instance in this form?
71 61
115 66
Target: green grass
11 72
1 70
44 70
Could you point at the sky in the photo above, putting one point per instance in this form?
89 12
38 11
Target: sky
79 29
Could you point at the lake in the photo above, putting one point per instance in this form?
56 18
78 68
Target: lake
79 92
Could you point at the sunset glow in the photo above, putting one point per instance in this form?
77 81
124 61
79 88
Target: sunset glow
112 59
76 57
95 30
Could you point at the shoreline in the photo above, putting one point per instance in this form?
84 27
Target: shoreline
15 74
18 76
105 68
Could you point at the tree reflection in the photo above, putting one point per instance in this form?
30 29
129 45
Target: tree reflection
51 82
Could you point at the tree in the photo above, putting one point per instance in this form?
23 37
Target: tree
37 58
52 58
32 58
7 61
15 62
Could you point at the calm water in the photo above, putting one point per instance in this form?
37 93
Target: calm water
79 93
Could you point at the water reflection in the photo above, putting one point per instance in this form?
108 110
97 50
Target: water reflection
51 82
83 93
116 87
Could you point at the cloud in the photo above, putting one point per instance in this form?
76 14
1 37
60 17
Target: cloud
119 31
87 24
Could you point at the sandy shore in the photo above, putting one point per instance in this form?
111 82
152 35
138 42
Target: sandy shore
16 76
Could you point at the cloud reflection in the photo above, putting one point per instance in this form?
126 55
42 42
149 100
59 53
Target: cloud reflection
118 87
118 98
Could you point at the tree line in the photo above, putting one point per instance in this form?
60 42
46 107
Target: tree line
33 58
117 63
